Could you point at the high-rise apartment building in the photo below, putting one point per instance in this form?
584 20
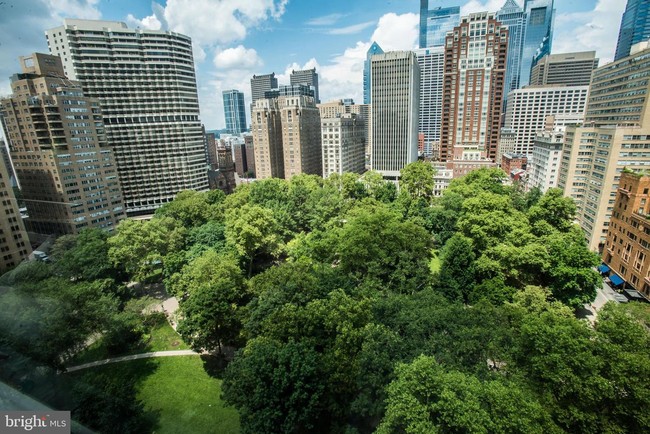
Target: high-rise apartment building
374 49
616 135
307 77
261 84
431 62
14 242
635 27
571 69
334 109
146 85
514 17
343 139
57 142
544 166
435 22
627 247
301 136
474 79
287 137
235 111
528 109
211 150
538 36
395 78
267 136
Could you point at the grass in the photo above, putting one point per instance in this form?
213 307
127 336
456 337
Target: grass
434 264
176 390
162 337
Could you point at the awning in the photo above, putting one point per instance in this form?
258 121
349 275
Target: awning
616 280
634 294
603 268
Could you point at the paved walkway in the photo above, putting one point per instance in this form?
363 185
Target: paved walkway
133 357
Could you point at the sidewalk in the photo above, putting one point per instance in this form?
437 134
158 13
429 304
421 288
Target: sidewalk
173 353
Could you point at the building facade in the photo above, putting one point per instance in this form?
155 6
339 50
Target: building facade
528 109
513 16
474 79
363 111
234 111
14 242
538 36
435 22
395 99
57 142
146 85
343 139
615 136
544 165
374 49
267 138
570 69
307 77
627 247
301 136
635 27
261 84
431 62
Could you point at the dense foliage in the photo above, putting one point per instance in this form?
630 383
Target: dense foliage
356 306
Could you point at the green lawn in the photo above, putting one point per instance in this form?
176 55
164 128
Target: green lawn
177 390
162 337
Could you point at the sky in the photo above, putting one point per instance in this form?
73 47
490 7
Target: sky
234 39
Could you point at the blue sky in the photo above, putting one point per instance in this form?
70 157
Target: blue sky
234 39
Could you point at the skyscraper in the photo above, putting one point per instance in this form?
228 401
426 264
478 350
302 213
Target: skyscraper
374 49
538 36
614 137
307 77
431 62
435 22
146 85
58 146
343 139
513 16
266 127
395 98
571 69
235 111
635 26
475 64
261 84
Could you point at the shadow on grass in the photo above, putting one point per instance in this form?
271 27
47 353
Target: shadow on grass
214 365
105 398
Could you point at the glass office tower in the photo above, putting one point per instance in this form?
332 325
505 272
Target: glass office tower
635 26
435 23
233 106
538 36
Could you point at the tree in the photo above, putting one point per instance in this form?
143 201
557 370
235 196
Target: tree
457 278
417 180
140 246
253 231
193 208
555 209
277 388
85 256
378 188
211 313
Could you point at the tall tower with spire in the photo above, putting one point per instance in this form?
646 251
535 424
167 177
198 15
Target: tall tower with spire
514 17
374 49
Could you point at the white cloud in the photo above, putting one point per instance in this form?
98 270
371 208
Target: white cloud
349 30
151 22
595 30
239 57
84 9
397 32
473 6
326 20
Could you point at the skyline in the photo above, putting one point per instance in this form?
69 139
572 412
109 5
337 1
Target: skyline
264 36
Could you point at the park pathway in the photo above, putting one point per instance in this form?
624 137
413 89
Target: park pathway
172 353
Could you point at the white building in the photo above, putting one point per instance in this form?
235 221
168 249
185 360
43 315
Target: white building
343 144
146 85
431 61
395 98
544 166
441 179
529 107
